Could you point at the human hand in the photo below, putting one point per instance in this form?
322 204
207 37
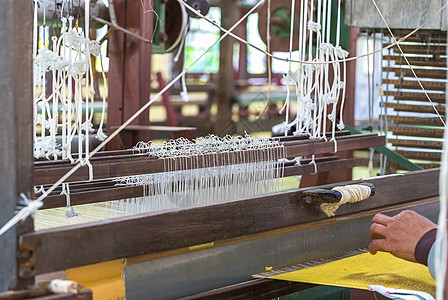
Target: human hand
399 234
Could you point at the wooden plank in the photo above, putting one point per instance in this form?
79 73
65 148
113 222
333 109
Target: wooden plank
416 131
417 61
414 120
413 96
343 144
16 137
434 156
94 196
413 84
185 227
416 143
415 108
421 73
339 164
148 165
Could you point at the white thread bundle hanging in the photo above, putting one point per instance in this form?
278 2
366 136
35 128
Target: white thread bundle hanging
65 111
209 170
317 95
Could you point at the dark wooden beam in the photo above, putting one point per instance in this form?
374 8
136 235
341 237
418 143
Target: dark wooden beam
16 159
72 246
130 70
106 191
136 165
226 73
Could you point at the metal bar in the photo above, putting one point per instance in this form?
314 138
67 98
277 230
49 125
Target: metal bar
185 227
15 129
253 289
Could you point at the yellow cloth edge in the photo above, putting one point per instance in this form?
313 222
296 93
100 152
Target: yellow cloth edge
362 270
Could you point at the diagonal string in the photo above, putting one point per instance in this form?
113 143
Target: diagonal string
407 61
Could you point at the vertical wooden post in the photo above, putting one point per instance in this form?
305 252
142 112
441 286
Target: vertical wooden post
226 73
16 139
130 70
242 66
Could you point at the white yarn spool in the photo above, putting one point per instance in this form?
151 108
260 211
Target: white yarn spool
59 286
350 194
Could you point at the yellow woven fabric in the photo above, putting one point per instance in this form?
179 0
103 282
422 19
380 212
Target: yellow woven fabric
363 270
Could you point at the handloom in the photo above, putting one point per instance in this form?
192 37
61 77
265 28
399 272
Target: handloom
212 200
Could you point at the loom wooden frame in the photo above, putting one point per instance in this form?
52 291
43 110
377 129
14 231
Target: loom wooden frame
185 227
170 229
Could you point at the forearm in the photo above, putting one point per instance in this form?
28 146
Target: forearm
424 245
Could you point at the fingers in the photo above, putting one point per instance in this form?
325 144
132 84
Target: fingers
382 219
377 231
378 245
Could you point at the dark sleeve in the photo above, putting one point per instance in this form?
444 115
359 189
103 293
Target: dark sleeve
424 246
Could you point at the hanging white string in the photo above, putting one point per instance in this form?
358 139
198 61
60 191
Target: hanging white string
70 62
246 167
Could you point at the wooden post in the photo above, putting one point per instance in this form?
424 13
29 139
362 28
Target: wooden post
130 70
226 73
16 139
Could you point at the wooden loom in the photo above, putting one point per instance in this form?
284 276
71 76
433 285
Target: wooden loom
256 226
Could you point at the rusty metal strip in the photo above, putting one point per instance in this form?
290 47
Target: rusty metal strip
421 73
415 108
416 143
431 156
416 131
414 120
412 96
414 85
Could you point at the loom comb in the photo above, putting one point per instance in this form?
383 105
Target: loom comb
310 264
